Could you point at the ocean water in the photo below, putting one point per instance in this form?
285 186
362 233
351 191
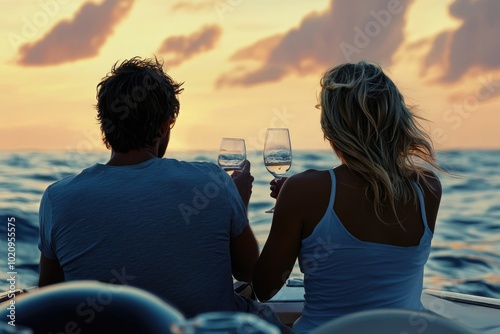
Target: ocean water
465 254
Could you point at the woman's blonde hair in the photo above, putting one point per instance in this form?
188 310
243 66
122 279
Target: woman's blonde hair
369 125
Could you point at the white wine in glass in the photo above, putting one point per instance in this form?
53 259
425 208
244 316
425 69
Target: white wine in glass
232 154
277 153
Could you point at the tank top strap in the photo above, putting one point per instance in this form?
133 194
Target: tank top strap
333 190
423 212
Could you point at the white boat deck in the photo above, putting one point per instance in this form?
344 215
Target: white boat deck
480 314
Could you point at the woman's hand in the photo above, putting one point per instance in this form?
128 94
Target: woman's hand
276 186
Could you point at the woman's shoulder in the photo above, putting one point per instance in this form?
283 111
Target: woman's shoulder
308 179
310 174
307 187
431 188
306 196
430 182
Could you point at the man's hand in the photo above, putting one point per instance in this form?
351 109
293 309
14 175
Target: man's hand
276 186
243 181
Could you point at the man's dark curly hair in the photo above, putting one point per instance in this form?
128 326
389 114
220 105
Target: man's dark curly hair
133 100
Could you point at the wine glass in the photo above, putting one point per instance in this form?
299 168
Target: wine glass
277 153
232 154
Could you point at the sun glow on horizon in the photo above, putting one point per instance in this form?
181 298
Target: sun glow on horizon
245 68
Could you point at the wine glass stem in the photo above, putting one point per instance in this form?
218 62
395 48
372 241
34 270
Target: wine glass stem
276 178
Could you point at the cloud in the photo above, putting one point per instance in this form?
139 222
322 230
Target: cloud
474 44
183 48
192 7
79 38
259 50
349 30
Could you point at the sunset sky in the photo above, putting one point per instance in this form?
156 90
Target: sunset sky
247 65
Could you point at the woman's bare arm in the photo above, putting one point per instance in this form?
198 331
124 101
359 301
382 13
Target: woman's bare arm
283 244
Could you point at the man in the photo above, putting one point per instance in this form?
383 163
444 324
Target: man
177 229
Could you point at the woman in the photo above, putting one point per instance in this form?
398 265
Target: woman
362 231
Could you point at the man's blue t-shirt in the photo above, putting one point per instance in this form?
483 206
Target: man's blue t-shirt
162 225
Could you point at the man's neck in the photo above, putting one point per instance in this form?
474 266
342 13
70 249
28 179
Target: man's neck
132 157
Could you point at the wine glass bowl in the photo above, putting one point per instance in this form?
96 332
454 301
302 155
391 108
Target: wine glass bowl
232 154
277 153
278 162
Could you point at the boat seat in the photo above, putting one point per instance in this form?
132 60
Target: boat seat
391 321
92 307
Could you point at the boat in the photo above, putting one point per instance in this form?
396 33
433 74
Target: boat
476 313
479 314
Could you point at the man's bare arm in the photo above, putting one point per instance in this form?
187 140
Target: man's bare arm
50 272
244 254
